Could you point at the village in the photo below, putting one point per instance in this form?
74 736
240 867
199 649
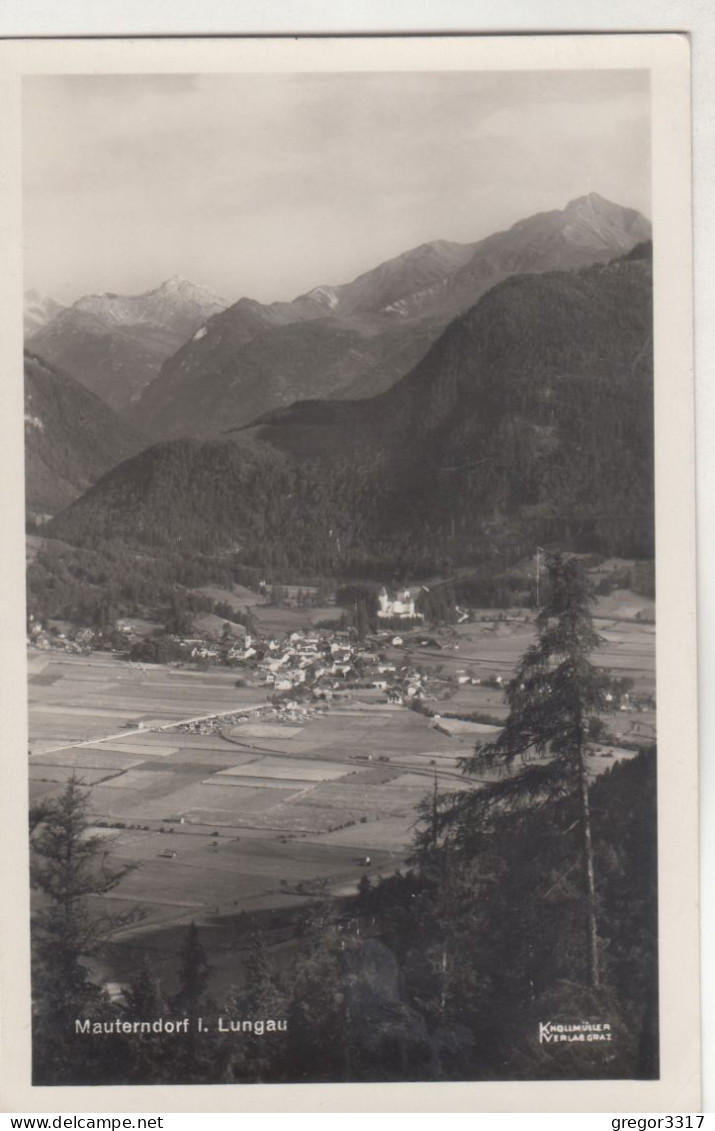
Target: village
310 664
403 662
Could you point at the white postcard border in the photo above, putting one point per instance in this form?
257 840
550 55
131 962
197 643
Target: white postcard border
667 57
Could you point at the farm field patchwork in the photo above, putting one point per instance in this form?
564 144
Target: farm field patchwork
322 776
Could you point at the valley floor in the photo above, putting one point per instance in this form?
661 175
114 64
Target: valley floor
254 809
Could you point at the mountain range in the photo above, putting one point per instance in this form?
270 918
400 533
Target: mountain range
115 344
529 421
175 362
356 340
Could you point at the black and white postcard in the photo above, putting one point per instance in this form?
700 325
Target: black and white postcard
350 658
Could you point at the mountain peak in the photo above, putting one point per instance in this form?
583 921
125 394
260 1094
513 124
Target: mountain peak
178 284
175 283
115 344
39 309
591 200
594 222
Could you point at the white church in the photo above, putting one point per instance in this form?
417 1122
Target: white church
402 605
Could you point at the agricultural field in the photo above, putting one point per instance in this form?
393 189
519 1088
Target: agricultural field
75 699
279 619
238 597
492 647
489 648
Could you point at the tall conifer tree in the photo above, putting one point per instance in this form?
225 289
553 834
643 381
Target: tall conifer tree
68 866
541 754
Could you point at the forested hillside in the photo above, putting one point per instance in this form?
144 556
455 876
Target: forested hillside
71 438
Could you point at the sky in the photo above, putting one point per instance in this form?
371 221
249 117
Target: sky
267 185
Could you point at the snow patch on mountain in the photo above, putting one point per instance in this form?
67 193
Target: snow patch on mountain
326 296
413 304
